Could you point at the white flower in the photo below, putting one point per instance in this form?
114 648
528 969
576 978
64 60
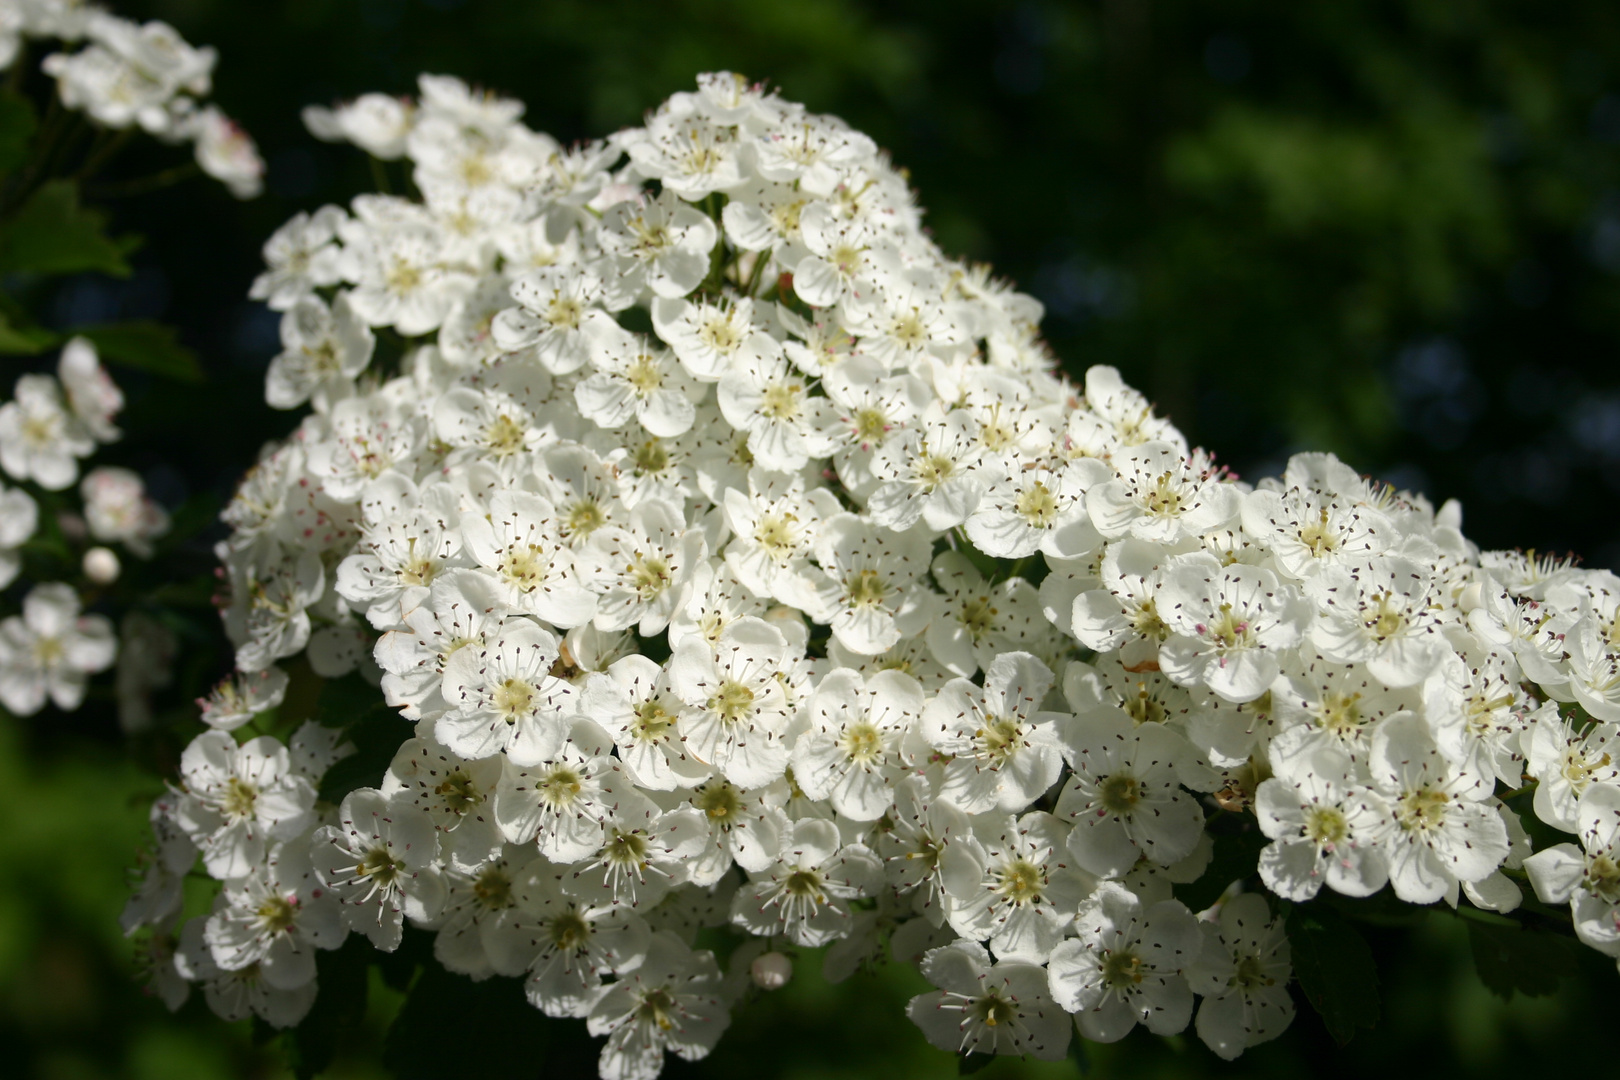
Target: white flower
641 573
1243 975
1025 510
978 621
1161 496
930 851
636 379
929 474
39 439
238 799
1000 749
1382 614
850 756
712 338
771 401
743 827
562 803
93 396
736 710
19 516
504 698
1229 626
1029 891
237 995
1441 830
661 244
578 943
556 316
1325 826
226 152
457 795
50 650
118 510
240 697
519 540
323 350
275 916
483 928
1124 798
1126 413
1588 880
299 258
462 608
985 1008
1125 966
775 524
872 595
1306 530
645 852
1566 762
804 893
380 861
671 1001
635 703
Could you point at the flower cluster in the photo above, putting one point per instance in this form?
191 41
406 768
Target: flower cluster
50 649
735 557
129 75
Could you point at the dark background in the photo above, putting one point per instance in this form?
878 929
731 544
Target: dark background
1387 229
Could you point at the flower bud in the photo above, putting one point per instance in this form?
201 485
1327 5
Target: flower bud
771 971
101 565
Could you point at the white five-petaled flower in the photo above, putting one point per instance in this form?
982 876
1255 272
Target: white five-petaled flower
988 1008
380 860
1000 750
671 1001
1126 965
804 893
503 697
1243 975
50 650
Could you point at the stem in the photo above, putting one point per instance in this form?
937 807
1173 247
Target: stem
103 151
379 176
143 184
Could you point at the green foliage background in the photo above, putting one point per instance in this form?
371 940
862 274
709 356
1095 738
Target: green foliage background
1389 228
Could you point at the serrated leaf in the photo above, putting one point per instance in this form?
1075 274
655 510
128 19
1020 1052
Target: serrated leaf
147 346
52 234
347 700
340 1008
1236 857
1335 969
1510 958
20 339
376 738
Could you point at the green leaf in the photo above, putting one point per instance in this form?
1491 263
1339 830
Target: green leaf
1236 857
513 1037
17 127
145 346
376 737
340 1009
1335 969
52 234
20 339
1510 958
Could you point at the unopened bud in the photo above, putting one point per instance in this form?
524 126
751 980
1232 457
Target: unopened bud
771 971
101 565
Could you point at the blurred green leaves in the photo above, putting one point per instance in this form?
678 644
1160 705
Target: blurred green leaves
51 233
